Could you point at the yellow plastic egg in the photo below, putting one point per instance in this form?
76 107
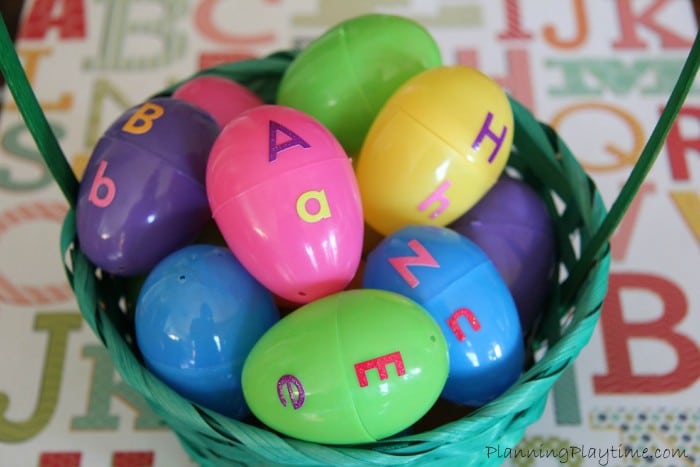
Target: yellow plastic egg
436 147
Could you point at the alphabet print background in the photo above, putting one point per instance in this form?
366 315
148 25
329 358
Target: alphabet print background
599 71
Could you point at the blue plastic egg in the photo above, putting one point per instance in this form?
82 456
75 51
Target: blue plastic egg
460 287
198 314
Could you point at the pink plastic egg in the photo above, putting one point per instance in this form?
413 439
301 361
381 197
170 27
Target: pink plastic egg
284 195
222 98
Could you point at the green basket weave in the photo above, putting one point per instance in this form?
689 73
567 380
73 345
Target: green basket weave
583 228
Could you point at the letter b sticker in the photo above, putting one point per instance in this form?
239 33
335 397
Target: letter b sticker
142 120
103 189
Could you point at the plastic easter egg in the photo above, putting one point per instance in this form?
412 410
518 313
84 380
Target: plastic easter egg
198 315
352 367
512 226
285 198
223 98
454 280
439 143
345 76
142 195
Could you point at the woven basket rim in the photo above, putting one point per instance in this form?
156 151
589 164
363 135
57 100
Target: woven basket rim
504 418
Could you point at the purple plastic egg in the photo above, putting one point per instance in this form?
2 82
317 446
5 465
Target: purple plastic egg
142 195
513 227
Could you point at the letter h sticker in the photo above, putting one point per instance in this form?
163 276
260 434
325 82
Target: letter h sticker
487 132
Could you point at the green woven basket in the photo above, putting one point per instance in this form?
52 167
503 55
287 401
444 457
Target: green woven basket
583 228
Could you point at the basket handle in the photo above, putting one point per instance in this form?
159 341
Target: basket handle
651 150
34 117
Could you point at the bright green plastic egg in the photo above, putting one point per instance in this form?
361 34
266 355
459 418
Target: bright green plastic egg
352 367
344 76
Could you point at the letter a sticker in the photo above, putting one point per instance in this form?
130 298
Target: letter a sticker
276 147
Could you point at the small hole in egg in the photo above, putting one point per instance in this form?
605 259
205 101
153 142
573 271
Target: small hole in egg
182 278
432 338
123 306
302 294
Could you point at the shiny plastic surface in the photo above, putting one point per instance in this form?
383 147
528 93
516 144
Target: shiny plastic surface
345 76
352 367
512 226
198 315
454 280
222 98
440 142
142 195
286 200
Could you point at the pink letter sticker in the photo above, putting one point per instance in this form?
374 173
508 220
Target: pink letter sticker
102 198
380 364
437 196
401 263
453 322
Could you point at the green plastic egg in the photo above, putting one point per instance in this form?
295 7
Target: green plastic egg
352 367
344 76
